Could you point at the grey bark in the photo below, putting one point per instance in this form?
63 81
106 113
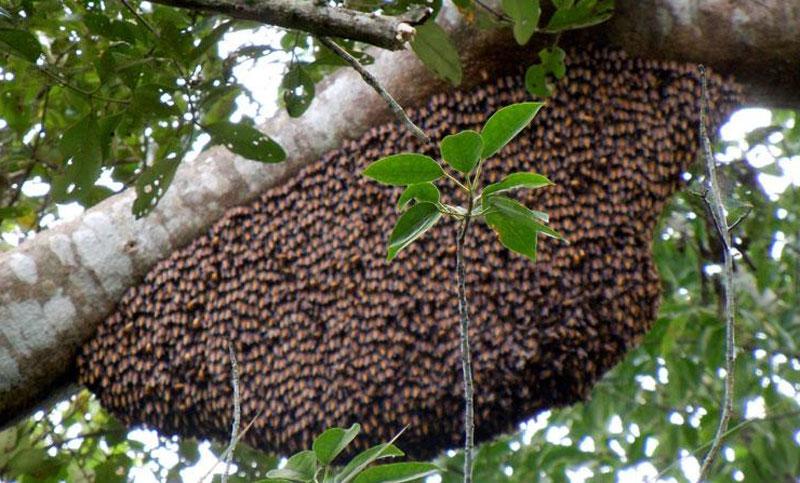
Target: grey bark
57 287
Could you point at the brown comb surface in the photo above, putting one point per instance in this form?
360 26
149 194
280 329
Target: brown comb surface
328 333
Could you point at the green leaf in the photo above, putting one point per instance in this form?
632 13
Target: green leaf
420 192
516 225
462 151
21 43
410 226
553 61
219 104
396 473
404 169
83 156
246 141
525 14
505 124
300 467
298 90
329 444
584 14
517 180
363 459
437 51
153 181
536 81
154 100
210 40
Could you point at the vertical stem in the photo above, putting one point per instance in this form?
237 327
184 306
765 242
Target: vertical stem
236 413
717 209
466 358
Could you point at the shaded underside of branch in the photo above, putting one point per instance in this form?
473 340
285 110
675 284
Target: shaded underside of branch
317 18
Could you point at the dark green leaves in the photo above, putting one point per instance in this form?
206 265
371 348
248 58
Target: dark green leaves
462 151
437 51
525 14
420 192
404 169
516 225
363 459
552 62
298 90
21 43
581 15
517 180
410 226
246 141
505 124
330 443
396 473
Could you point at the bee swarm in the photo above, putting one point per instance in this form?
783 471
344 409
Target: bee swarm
328 333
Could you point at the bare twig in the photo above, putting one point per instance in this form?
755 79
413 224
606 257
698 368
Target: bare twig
229 449
375 84
717 208
237 413
466 357
317 18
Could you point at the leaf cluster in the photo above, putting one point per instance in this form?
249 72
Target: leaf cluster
420 203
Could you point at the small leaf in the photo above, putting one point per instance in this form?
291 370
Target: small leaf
553 61
298 90
420 192
515 225
536 81
410 226
21 43
396 473
462 151
437 51
363 459
300 467
517 180
518 210
246 141
329 444
404 169
505 124
585 14
525 14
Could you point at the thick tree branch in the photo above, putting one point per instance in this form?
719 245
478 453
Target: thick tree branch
317 18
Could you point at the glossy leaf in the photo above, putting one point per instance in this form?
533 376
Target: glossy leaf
246 140
404 169
437 51
410 226
330 443
420 192
525 14
396 473
462 151
515 181
363 459
505 124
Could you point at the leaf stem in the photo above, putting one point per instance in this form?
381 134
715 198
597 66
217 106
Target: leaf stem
717 209
466 358
459 184
375 84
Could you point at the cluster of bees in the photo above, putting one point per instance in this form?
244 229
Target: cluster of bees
327 333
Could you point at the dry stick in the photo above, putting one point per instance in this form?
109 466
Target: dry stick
717 209
229 449
466 358
375 84
237 413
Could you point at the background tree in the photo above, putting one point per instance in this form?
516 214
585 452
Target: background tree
108 258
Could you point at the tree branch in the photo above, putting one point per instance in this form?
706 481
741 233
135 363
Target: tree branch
237 414
466 357
717 208
370 79
317 18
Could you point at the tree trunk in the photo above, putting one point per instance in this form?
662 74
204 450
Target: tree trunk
58 286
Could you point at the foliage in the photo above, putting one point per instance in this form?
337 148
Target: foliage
515 225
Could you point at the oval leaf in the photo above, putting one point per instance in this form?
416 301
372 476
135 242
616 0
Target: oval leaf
437 51
517 180
525 14
462 151
410 226
396 473
300 467
519 211
246 140
361 460
420 192
329 444
404 169
298 90
505 124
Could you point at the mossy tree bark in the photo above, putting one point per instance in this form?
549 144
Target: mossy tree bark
58 286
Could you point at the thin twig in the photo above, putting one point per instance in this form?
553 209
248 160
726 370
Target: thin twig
237 413
139 18
229 450
373 82
466 358
717 208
